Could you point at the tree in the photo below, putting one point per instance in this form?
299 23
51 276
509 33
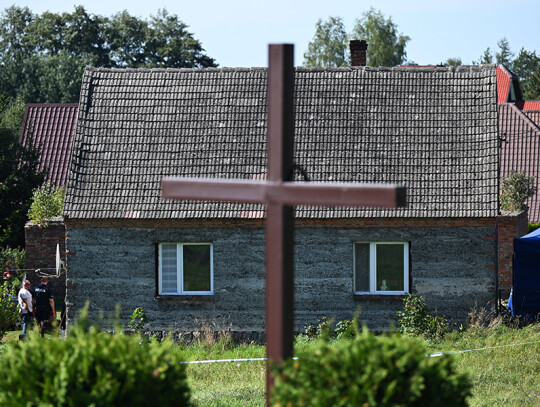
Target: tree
19 176
453 62
386 47
42 57
524 66
533 89
485 58
329 45
504 56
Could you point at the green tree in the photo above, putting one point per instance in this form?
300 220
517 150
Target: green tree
19 176
42 57
453 62
47 203
524 66
386 47
485 58
533 88
329 45
504 56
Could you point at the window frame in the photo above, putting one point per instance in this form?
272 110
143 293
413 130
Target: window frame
373 269
180 271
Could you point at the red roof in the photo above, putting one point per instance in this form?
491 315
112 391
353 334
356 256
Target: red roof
528 105
52 128
503 84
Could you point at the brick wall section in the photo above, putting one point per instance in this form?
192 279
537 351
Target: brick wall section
452 264
510 226
41 252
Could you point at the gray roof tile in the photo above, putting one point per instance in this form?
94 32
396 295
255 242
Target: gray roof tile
433 130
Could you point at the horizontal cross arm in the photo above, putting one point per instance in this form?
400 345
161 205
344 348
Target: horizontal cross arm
287 193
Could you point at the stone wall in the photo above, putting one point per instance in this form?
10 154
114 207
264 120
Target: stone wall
40 243
452 264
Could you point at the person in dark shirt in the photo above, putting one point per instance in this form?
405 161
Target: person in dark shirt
44 304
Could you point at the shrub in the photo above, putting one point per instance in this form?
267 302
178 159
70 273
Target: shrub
369 370
138 320
8 307
92 368
416 321
12 258
47 203
517 187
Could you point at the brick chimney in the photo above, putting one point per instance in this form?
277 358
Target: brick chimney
358 52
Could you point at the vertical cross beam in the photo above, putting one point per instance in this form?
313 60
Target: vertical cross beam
280 231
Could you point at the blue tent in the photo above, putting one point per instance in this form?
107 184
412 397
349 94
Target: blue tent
525 297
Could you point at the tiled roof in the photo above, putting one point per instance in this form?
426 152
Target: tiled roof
520 149
527 105
504 81
52 129
534 115
433 130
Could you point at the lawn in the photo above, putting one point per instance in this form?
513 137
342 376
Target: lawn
501 375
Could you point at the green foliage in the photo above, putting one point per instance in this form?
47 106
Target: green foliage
47 203
416 321
453 62
485 58
531 227
533 89
12 258
386 47
43 56
325 329
524 66
369 370
517 187
8 308
329 45
92 368
138 320
19 176
504 56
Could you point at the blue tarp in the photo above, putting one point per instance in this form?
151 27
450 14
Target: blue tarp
525 298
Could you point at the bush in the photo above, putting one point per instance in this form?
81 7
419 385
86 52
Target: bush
369 370
517 187
12 258
8 308
416 321
92 368
47 203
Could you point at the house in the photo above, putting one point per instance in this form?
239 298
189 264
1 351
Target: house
519 134
50 127
193 263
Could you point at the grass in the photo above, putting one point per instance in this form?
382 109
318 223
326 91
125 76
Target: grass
500 376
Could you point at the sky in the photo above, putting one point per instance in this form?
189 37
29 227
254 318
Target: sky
236 33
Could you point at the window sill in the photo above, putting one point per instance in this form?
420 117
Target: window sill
186 298
379 296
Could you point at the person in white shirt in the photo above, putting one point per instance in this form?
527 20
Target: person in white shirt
26 307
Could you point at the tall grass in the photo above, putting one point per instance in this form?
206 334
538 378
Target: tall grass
500 376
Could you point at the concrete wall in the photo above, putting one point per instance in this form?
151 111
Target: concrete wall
452 264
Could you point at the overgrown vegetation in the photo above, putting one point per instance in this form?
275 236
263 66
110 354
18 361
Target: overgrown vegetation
90 367
372 370
10 261
415 320
47 202
517 187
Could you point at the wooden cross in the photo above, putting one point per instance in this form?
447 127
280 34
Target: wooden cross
280 194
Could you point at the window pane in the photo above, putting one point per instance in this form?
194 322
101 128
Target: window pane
390 267
168 268
361 267
196 267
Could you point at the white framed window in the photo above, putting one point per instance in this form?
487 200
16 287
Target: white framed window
186 269
381 268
